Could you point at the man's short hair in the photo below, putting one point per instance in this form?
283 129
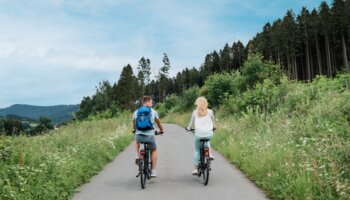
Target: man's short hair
146 99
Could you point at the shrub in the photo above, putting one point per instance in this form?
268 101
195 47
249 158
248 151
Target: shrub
217 87
255 70
188 98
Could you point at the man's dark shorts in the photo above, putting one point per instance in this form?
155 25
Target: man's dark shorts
150 139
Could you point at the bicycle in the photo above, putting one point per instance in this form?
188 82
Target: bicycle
145 162
204 164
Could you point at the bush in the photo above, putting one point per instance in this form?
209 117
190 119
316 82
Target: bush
265 96
171 101
217 87
255 70
188 98
161 110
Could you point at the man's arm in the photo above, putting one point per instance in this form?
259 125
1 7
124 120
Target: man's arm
159 124
134 125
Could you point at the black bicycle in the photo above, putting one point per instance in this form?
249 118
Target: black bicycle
204 164
145 162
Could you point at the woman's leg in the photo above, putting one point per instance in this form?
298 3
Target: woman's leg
196 151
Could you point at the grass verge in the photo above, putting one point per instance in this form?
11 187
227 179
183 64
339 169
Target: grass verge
53 165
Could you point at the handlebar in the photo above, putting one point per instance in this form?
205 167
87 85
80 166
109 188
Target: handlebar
159 133
192 129
156 132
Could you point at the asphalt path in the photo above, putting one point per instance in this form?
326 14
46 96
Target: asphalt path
117 181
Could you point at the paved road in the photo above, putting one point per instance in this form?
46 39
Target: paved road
118 182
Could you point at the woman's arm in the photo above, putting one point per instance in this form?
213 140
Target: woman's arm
213 118
191 122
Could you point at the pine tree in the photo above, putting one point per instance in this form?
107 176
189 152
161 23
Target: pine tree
144 75
314 26
339 21
304 26
225 58
163 76
325 28
126 88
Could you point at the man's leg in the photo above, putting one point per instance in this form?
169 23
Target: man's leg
154 159
137 147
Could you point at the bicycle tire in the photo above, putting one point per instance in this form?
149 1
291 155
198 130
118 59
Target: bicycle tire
142 174
206 172
148 168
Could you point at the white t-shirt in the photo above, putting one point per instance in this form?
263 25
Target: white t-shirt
154 115
203 125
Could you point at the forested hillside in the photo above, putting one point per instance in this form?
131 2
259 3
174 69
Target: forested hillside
304 45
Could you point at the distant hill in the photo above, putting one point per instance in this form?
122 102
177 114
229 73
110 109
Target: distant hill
57 114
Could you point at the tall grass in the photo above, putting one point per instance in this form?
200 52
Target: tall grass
178 118
53 165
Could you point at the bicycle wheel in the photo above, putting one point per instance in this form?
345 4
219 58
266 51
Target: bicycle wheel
142 174
206 170
149 165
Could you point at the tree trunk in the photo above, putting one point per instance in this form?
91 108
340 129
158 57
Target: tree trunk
328 55
288 67
308 62
312 67
333 60
295 68
318 57
302 66
345 56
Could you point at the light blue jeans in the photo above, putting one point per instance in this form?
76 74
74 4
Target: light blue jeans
197 144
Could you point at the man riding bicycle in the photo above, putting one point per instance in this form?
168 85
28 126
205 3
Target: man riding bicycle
143 124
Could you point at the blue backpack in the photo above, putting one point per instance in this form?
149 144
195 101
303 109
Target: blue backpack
143 119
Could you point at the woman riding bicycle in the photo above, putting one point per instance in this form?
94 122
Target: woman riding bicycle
204 122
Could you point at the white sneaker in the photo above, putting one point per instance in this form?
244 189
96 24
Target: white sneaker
195 172
137 160
211 157
154 174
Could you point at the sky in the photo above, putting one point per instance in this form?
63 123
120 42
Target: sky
55 52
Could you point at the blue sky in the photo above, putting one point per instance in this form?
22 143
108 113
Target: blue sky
56 51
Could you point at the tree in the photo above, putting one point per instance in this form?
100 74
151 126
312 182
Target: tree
163 76
1 125
314 26
277 40
304 26
85 110
290 37
44 125
126 88
339 21
12 127
325 28
226 58
102 100
239 56
144 74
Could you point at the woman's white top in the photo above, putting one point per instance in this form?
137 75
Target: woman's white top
203 125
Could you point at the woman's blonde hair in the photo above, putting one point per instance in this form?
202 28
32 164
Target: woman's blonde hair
202 106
